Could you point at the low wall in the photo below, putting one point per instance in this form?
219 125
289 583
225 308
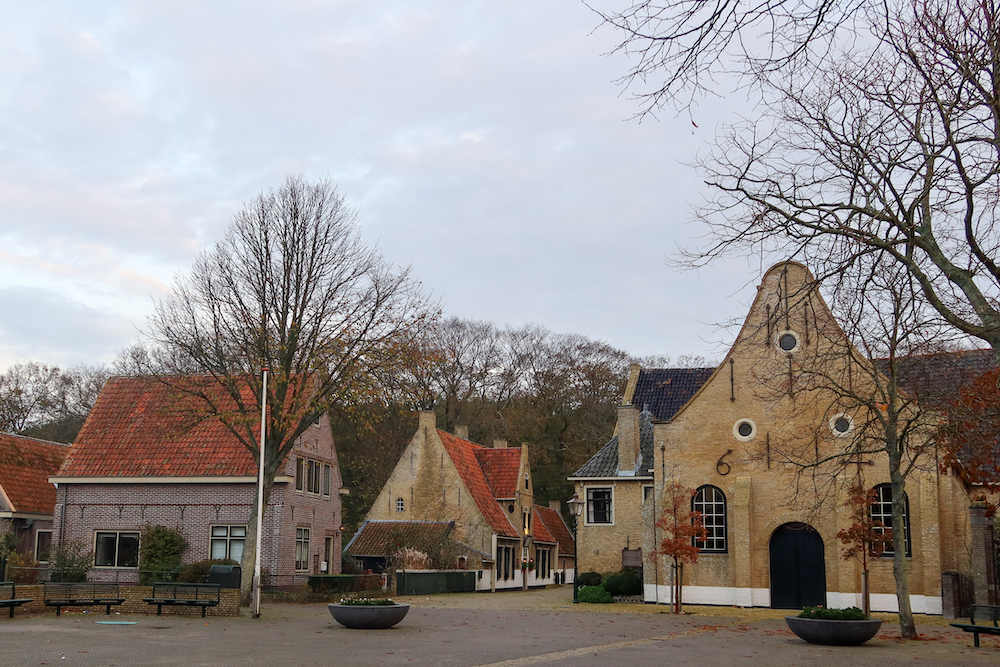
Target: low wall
427 582
229 603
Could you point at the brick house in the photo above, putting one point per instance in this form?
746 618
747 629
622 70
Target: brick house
146 455
718 432
486 492
27 498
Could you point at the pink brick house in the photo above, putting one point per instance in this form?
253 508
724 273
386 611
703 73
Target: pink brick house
146 456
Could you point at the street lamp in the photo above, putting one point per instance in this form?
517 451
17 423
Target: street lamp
576 509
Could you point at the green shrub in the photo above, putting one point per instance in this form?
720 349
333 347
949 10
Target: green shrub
849 614
22 568
594 595
590 579
160 552
623 583
69 562
197 573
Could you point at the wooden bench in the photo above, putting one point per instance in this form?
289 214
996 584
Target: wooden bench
188 595
8 597
984 612
81 594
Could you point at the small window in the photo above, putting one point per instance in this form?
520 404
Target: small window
116 549
300 474
301 549
326 479
881 511
227 542
647 492
744 430
400 505
710 501
788 341
599 506
43 545
841 425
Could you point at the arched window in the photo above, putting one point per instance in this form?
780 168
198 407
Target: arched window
881 510
400 505
711 502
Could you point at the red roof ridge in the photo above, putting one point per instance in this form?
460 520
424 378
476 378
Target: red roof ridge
463 454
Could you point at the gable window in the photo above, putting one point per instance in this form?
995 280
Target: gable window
43 545
326 479
710 501
312 476
599 505
116 549
227 542
400 505
301 549
881 510
300 474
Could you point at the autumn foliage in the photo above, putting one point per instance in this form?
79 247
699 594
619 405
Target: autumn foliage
682 528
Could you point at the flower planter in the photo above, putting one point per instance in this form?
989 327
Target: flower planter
368 617
833 633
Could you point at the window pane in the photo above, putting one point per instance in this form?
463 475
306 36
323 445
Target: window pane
299 473
326 480
104 549
238 531
220 531
43 543
128 549
236 550
218 549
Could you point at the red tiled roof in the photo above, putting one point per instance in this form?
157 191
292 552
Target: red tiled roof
145 427
500 466
25 466
383 538
539 531
464 455
556 527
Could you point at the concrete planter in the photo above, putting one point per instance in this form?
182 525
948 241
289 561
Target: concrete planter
833 633
365 617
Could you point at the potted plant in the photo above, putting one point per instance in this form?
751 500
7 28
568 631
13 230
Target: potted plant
833 627
368 613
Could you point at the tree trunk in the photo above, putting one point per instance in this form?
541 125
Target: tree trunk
907 628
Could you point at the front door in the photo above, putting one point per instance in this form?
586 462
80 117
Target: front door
798 571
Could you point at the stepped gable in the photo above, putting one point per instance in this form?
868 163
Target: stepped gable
145 427
500 466
463 455
25 467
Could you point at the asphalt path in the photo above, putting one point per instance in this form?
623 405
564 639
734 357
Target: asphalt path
496 630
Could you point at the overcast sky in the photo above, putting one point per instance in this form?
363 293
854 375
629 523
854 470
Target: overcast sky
483 143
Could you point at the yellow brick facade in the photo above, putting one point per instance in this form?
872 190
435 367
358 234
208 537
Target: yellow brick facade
764 496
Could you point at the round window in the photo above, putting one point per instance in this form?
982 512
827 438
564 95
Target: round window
744 429
841 425
788 341
510 508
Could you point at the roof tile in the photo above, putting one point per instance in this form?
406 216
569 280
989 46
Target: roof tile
464 455
25 466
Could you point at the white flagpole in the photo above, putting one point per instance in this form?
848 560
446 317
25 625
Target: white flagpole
260 499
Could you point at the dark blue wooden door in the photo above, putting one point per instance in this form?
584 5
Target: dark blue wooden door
798 572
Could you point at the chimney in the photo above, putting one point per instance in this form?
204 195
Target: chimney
499 444
556 505
428 420
628 439
462 432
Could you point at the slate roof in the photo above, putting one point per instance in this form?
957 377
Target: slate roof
464 455
605 462
144 427
382 538
556 527
938 377
25 466
500 466
663 391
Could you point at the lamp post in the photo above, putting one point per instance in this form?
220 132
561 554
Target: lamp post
576 509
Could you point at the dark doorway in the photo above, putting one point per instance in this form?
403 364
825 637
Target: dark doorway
798 572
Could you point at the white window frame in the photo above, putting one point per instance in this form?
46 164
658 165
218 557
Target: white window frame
400 504
37 535
588 517
717 526
302 549
228 538
881 510
118 537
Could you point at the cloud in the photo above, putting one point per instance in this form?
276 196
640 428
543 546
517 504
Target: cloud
41 325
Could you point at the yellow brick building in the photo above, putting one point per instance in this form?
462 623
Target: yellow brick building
736 436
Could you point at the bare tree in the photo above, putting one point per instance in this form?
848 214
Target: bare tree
890 150
45 402
291 287
679 47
